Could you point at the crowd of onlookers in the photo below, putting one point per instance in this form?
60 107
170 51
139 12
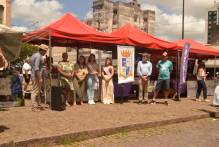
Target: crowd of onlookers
84 77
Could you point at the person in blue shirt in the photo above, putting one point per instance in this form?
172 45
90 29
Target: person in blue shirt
16 84
165 68
36 66
144 70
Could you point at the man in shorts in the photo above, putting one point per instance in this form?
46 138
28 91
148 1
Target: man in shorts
165 68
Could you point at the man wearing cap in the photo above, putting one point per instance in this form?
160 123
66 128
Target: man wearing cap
36 66
144 71
165 67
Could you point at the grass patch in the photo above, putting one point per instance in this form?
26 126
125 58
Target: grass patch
66 141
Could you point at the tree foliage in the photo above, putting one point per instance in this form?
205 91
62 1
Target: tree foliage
27 50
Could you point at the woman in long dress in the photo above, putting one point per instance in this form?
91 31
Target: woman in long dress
65 69
80 70
107 90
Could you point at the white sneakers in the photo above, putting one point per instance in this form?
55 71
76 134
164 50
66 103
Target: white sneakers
107 102
91 102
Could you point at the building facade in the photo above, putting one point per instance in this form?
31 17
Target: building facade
109 15
5 12
212 24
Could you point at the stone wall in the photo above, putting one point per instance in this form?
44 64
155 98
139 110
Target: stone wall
6 15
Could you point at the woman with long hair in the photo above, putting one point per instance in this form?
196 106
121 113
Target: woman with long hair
107 90
80 70
201 77
92 78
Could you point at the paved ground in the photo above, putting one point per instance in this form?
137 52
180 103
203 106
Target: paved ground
200 133
20 123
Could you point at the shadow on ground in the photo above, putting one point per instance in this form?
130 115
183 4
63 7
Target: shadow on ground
3 128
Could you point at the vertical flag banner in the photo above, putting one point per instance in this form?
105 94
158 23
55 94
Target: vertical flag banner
184 64
125 64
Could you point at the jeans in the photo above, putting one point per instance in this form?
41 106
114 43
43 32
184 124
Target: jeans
201 85
90 86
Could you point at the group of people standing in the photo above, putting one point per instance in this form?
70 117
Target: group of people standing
84 78
144 71
79 77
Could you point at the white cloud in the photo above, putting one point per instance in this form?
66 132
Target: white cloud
89 15
169 25
20 29
35 13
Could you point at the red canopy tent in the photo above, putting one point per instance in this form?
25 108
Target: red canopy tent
133 36
197 48
70 31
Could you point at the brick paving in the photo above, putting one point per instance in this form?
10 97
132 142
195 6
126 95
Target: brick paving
200 133
19 123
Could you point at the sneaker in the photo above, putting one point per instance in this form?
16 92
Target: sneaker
91 102
206 100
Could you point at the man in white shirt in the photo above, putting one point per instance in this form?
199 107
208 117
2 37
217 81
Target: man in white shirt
144 71
26 71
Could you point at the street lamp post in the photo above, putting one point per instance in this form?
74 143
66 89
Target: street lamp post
178 52
183 15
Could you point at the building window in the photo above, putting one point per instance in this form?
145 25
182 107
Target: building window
115 17
1 14
145 20
135 18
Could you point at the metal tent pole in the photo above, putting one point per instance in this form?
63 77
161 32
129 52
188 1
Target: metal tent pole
215 70
50 67
178 77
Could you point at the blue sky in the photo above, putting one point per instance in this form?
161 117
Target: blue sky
31 14
78 7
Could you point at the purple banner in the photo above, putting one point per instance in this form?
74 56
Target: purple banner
184 63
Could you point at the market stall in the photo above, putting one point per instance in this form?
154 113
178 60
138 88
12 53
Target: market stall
10 42
199 51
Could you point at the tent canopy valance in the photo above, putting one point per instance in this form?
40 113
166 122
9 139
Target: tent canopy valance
69 31
133 36
197 48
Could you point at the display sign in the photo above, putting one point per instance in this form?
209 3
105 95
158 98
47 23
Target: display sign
184 64
125 64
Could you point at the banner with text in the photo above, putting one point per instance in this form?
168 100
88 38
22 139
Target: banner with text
184 64
125 64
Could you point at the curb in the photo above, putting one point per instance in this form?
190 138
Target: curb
84 135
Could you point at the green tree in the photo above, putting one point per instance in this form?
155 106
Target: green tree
27 50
